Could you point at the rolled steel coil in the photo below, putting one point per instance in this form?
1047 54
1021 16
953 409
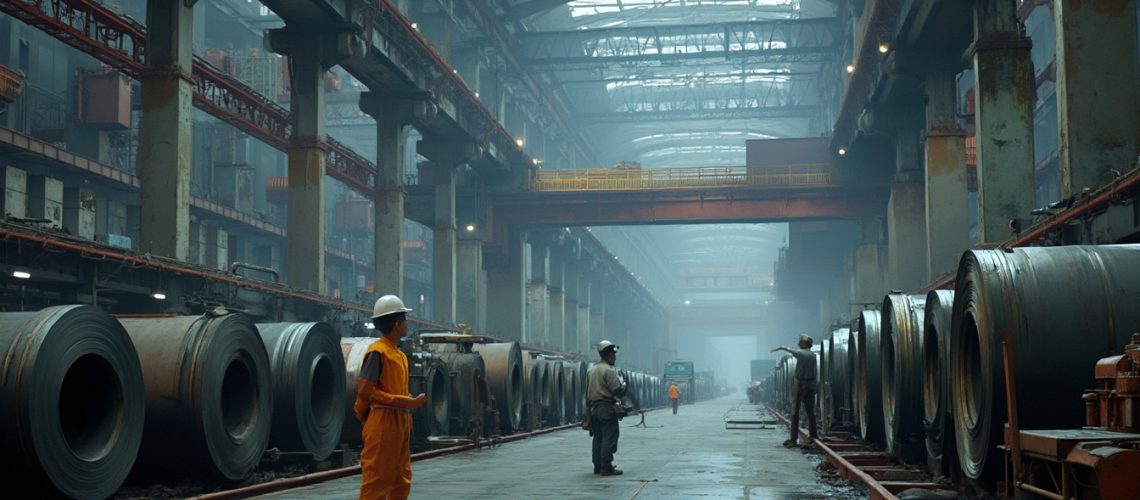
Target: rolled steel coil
868 378
536 387
71 401
937 422
468 374
353 349
427 374
820 363
583 370
852 375
555 404
573 390
209 394
839 375
308 386
505 376
1064 308
901 354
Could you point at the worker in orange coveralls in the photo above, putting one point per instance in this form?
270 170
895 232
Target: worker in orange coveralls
674 396
384 407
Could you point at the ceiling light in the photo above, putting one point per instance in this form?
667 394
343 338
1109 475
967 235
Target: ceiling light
842 151
850 68
415 26
158 295
884 47
476 95
470 228
688 302
21 275
519 142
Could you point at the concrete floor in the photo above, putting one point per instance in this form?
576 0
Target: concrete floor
688 455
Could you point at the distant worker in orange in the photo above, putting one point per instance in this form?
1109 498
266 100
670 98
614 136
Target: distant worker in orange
384 407
674 396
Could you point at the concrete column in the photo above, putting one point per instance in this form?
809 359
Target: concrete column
597 314
1097 104
906 216
557 323
1005 96
585 300
947 196
506 291
443 245
570 333
305 249
165 131
469 284
868 266
537 324
392 121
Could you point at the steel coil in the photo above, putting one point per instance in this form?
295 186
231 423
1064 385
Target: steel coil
353 349
555 402
308 386
468 374
936 377
71 401
583 370
427 375
869 378
536 386
505 376
209 395
839 376
1064 308
901 354
573 389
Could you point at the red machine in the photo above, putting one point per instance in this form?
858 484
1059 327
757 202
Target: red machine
1115 405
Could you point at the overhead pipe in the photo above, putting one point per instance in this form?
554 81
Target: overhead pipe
1054 338
308 386
937 423
868 377
504 365
901 354
209 396
71 401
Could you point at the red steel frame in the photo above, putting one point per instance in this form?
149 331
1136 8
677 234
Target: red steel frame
120 42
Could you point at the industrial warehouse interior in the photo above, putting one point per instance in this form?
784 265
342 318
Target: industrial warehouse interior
464 248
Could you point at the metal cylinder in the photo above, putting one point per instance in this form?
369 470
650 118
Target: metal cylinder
427 374
353 349
936 375
71 401
308 386
839 376
901 354
209 395
505 376
868 378
573 389
467 374
536 386
1064 308
555 401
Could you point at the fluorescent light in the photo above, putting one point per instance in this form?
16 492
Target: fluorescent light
21 275
158 295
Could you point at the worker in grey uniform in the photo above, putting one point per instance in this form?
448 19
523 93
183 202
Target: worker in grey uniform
603 391
805 389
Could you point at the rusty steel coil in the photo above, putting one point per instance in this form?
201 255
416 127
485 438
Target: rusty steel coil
839 373
1064 308
308 386
71 401
937 422
901 355
427 375
868 378
573 389
536 387
209 394
468 374
505 375
555 403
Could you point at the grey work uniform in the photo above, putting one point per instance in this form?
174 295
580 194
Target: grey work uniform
805 390
603 388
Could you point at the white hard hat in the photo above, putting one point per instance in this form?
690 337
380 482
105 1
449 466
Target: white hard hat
605 344
388 304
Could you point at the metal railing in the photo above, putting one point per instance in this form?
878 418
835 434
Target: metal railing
639 179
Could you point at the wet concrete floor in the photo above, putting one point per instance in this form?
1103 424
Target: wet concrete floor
688 455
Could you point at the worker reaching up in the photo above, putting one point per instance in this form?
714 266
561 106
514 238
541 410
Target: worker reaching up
674 396
384 407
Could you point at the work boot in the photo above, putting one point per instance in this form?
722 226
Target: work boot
611 471
789 444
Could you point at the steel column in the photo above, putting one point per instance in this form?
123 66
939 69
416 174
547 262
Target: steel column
947 213
392 121
537 322
305 251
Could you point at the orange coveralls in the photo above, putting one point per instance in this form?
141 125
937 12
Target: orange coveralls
385 461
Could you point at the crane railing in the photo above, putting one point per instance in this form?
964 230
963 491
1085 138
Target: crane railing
640 179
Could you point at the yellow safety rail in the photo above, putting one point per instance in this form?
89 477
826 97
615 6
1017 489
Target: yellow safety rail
639 179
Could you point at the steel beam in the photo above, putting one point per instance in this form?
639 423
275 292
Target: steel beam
720 113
